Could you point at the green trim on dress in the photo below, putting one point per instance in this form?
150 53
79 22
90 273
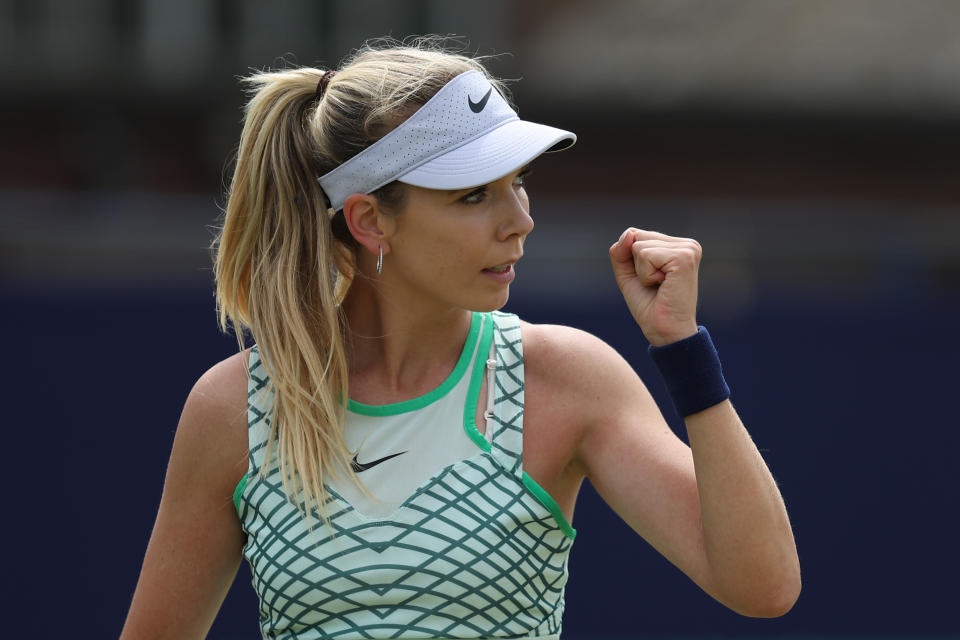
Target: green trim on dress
418 403
476 381
547 501
238 492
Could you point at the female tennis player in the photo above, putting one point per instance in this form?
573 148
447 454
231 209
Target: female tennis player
394 457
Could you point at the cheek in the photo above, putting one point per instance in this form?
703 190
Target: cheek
430 250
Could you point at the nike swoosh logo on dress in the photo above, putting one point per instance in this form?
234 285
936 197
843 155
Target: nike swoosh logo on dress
477 107
363 466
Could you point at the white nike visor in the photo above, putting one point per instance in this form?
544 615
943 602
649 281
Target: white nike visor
464 136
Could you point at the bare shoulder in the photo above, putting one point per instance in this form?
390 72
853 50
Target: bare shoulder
212 432
221 392
584 383
196 544
580 381
573 359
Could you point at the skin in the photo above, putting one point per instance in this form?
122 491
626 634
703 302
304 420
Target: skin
712 509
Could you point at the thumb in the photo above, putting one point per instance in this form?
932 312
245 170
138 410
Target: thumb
621 258
621 251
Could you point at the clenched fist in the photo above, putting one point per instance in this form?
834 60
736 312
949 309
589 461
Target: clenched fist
657 275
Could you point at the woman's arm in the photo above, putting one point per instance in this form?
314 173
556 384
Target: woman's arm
713 508
195 547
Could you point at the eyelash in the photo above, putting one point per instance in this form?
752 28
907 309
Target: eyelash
482 191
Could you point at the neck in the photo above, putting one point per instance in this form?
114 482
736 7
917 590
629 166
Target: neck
399 351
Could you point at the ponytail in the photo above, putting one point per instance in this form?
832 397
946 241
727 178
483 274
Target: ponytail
274 267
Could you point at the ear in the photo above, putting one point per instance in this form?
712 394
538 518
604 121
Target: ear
367 224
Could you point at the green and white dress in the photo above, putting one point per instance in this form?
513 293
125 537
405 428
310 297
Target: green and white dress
458 542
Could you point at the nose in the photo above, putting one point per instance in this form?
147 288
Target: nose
516 220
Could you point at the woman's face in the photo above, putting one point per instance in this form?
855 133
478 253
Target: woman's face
458 248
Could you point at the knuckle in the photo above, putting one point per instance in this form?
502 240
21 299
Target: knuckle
695 248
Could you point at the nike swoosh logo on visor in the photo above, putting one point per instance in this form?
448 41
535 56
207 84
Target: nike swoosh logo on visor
477 107
363 466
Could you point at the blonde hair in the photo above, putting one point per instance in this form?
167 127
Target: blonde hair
284 262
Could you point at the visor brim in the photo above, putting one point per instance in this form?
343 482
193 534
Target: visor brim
490 157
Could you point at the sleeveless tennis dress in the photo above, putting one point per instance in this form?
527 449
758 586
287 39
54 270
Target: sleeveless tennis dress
456 542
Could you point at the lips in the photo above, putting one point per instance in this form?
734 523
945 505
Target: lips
501 273
503 267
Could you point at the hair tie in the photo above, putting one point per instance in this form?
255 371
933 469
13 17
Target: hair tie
324 81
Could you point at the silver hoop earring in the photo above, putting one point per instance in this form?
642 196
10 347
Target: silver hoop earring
380 260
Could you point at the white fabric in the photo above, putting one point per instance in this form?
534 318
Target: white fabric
466 135
431 438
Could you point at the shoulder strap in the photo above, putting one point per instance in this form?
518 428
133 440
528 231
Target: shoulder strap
259 405
507 419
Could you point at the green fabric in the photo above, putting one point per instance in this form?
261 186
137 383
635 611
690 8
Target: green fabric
239 492
472 553
473 393
547 500
470 426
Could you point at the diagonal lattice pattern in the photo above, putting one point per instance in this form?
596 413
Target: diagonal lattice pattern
471 554
507 442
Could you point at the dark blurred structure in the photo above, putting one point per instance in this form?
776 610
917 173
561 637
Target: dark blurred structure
119 117
810 145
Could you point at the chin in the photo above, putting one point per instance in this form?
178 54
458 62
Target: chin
491 304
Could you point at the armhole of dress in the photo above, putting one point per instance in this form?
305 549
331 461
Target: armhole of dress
238 493
507 441
480 365
491 392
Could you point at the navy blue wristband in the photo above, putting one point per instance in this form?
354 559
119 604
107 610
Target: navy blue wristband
691 369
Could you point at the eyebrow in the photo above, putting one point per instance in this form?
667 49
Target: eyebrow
456 194
524 169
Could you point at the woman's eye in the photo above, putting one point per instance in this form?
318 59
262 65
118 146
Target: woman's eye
521 179
475 197
479 194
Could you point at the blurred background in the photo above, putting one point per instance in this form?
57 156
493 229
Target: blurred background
810 145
